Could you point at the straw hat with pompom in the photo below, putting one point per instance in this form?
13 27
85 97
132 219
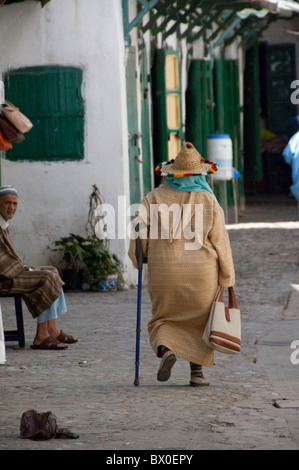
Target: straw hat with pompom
188 162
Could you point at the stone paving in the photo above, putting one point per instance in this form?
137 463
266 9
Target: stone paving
251 404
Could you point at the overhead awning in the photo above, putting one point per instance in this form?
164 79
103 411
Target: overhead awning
216 22
8 2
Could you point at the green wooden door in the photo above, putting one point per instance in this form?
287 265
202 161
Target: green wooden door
200 115
173 102
227 115
253 163
227 100
160 137
167 114
279 70
145 123
133 131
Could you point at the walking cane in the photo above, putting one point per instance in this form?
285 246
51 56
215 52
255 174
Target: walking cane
140 267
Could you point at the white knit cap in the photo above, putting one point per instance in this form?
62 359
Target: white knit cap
6 189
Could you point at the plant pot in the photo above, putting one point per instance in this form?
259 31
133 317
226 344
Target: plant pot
108 284
72 279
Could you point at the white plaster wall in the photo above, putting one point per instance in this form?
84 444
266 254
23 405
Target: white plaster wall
54 197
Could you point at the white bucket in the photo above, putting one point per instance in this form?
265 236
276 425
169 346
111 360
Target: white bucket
220 150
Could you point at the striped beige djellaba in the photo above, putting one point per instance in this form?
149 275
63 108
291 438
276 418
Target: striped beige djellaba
182 282
39 288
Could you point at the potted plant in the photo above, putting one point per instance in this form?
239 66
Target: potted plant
101 266
73 257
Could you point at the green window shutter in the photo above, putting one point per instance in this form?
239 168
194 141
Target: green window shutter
167 112
227 111
145 124
200 115
227 96
133 141
173 102
253 160
160 131
227 105
51 98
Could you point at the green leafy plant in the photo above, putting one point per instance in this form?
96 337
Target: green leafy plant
91 255
74 253
99 262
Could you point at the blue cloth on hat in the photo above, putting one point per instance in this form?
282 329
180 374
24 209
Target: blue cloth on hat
291 157
195 183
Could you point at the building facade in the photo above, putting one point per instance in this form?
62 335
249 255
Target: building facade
114 87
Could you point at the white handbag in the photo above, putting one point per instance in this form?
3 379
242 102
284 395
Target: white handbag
223 329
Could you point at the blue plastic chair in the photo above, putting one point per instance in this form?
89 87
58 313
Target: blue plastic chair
18 334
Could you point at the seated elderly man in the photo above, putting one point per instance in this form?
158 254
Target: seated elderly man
41 288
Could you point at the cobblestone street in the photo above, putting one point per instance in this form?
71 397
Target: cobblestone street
252 402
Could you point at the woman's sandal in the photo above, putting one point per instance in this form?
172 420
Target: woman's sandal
64 338
49 344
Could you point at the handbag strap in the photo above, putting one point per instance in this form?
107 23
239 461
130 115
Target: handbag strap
232 298
232 302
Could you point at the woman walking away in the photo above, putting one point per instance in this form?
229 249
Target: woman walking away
186 244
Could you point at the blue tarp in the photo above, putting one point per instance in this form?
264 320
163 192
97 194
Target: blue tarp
291 157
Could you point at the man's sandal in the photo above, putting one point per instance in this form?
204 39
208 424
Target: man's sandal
64 338
49 344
